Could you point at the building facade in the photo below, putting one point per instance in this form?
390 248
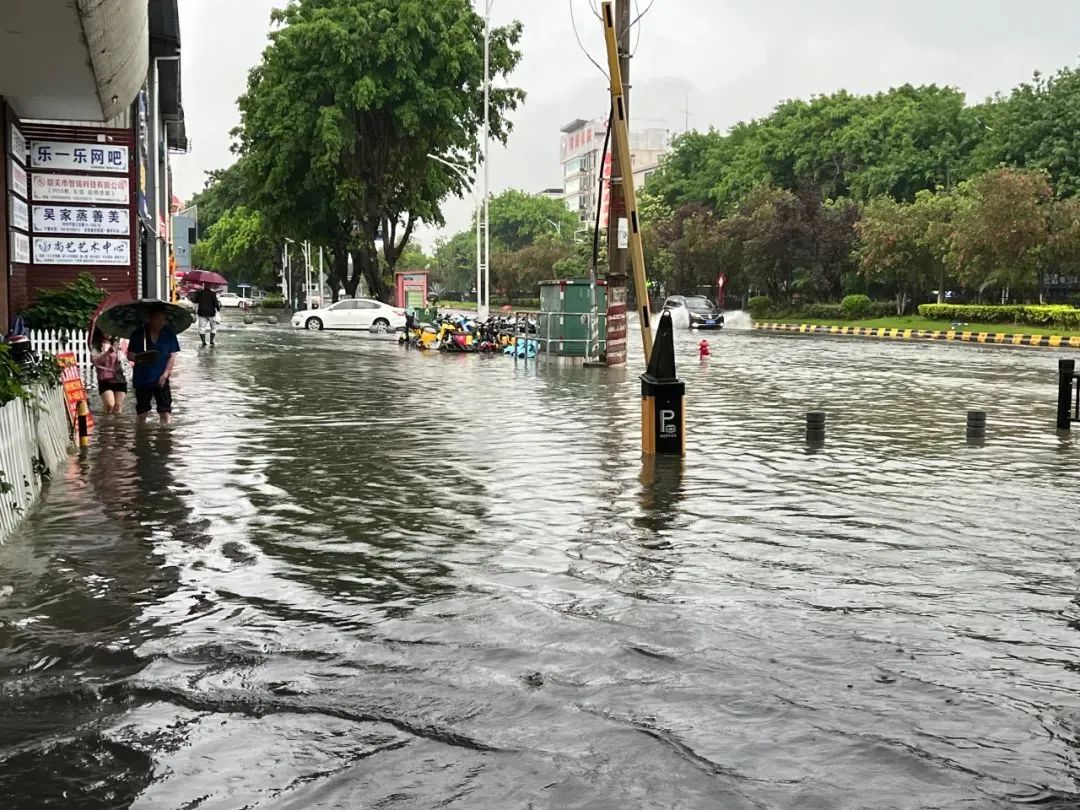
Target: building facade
583 161
80 172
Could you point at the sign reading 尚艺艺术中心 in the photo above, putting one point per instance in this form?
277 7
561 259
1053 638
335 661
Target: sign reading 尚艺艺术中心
74 390
18 145
81 220
79 157
18 213
78 189
64 250
18 179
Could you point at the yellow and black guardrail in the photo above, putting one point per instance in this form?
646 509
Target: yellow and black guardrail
956 335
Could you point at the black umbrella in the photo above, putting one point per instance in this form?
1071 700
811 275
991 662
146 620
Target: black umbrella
124 319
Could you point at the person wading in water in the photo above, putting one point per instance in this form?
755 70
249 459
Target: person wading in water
208 307
153 348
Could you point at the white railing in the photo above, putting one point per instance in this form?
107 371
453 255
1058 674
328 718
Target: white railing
58 341
31 434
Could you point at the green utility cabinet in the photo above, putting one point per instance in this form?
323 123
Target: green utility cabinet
565 325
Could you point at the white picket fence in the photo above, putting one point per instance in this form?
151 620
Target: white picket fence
58 341
31 434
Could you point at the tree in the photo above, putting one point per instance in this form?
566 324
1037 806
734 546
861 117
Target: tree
1001 229
413 257
455 261
349 100
893 249
238 245
519 219
1037 126
518 274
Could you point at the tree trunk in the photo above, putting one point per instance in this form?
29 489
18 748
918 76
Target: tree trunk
366 265
901 302
339 267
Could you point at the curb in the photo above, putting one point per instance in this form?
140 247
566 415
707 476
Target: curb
992 338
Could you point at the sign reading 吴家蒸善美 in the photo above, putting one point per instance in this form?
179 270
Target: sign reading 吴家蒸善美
79 189
81 220
66 250
18 214
79 157
18 179
74 391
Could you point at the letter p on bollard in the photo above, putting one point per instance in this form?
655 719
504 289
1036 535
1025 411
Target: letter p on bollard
663 421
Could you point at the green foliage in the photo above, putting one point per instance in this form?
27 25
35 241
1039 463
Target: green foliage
349 100
519 274
856 306
17 381
273 301
760 306
1035 127
11 386
413 258
519 219
1064 317
70 307
239 246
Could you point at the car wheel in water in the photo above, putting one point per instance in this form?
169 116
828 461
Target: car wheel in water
313 325
381 326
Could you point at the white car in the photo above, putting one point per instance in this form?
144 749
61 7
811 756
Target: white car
234 301
355 313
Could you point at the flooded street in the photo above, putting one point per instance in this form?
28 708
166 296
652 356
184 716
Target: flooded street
352 575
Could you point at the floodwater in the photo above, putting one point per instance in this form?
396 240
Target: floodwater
356 576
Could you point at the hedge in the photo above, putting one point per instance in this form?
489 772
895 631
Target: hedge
1064 317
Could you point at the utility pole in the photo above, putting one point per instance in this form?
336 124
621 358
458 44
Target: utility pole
618 259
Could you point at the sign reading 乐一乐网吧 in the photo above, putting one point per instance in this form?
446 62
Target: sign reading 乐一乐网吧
79 157
74 390
80 189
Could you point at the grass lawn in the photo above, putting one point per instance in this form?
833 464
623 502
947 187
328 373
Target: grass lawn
915 322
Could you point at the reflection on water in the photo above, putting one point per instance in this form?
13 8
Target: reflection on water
413 580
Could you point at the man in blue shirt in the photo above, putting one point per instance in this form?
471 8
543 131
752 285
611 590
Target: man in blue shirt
153 349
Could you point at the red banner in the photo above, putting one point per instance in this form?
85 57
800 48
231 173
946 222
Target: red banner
74 391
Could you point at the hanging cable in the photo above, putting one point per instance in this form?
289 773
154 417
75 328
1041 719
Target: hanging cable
577 36
600 196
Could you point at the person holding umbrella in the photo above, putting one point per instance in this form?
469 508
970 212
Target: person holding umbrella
206 301
207 307
152 347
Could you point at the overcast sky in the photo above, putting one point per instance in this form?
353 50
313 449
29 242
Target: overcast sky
731 59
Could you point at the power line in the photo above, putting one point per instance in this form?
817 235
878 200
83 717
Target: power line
577 36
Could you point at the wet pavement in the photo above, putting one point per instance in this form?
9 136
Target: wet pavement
352 575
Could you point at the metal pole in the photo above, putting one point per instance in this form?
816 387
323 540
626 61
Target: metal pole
1066 373
307 273
487 162
319 280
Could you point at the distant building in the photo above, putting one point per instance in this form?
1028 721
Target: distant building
582 144
551 193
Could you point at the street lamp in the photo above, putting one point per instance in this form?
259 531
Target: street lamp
557 226
480 260
305 248
483 312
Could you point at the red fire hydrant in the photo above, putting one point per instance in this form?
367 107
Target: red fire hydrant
703 349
